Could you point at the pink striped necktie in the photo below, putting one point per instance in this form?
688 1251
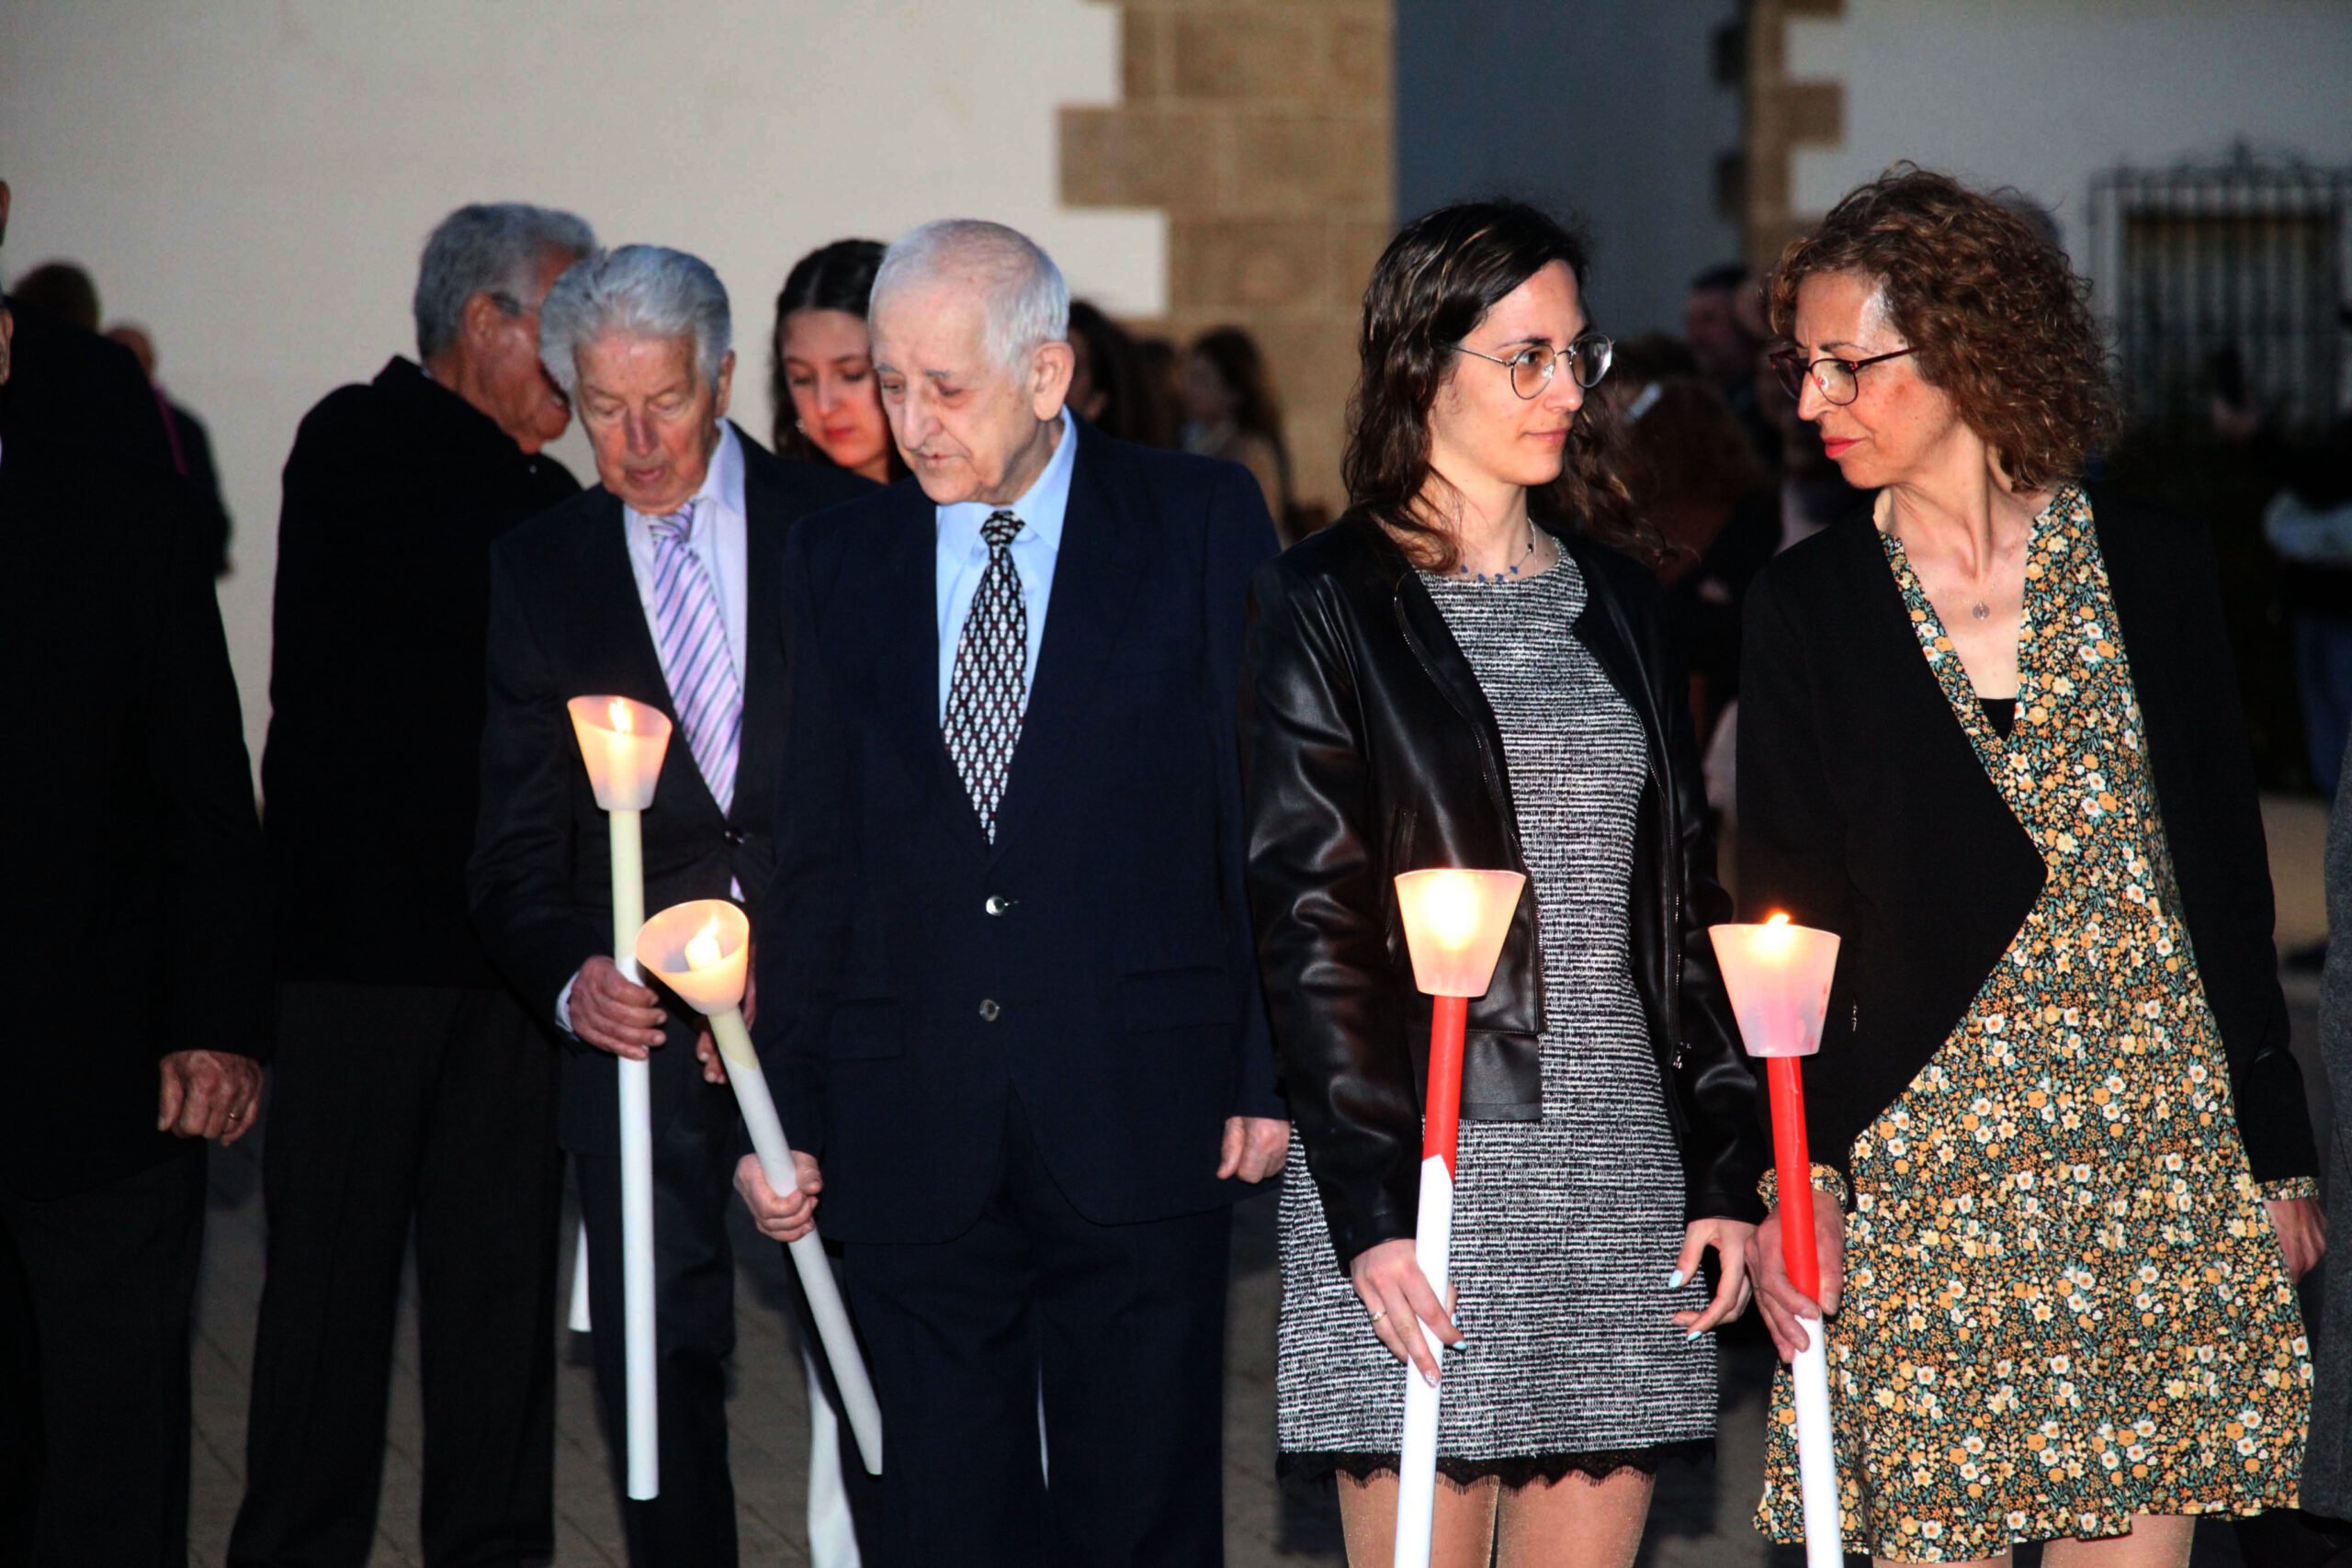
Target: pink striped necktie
691 634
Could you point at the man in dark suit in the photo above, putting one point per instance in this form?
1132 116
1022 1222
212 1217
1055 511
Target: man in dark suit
411 1089
134 905
662 584
1005 969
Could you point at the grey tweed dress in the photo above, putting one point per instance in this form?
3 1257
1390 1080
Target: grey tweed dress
1565 1228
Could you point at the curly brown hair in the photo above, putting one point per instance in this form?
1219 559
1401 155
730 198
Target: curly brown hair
1997 318
1432 287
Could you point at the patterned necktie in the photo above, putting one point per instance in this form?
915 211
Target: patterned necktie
691 634
989 687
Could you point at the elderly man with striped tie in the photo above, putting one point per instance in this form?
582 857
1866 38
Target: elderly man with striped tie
663 584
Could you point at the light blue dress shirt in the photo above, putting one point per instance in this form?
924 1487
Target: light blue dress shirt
963 557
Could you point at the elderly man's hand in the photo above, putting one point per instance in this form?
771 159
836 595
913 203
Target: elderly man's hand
612 1014
1254 1147
782 1216
208 1094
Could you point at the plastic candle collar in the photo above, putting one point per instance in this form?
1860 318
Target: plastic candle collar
699 950
1454 925
1778 976
622 743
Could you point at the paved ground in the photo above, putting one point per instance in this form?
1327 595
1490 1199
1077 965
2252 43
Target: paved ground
1699 1520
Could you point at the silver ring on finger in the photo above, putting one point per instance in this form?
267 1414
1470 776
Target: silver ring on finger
1378 1315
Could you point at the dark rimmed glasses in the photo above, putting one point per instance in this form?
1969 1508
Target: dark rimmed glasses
1838 380
1531 368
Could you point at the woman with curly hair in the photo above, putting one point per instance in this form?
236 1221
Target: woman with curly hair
1989 735
1465 671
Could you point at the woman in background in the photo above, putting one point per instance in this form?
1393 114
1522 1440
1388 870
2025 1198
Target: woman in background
1230 412
821 372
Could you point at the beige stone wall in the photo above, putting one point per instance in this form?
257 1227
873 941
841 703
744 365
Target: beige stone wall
1783 115
1264 130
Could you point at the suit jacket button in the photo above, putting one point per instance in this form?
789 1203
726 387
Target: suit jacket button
997 904
735 835
989 1010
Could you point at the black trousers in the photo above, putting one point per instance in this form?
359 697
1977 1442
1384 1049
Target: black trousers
394 1107
96 1291
1120 1327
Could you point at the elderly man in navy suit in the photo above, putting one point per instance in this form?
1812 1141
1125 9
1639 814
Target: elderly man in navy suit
1005 965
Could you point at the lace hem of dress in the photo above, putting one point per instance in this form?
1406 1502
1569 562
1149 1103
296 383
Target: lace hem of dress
1512 1470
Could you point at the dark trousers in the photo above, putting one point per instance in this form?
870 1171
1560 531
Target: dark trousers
1121 1328
96 1291
692 1523
391 1106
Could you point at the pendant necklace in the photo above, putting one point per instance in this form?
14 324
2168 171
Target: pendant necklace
1981 611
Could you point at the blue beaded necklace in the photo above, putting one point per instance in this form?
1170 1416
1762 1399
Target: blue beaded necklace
1511 570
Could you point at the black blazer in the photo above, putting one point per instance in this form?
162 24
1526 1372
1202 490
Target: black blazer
565 621
1373 750
1864 810
395 490
1094 961
134 904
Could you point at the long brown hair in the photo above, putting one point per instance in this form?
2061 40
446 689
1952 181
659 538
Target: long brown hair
1430 288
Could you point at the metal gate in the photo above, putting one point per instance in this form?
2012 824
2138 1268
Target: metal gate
2225 280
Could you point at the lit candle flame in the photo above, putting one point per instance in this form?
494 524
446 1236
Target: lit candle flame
702 949
618 711
1452 911
1776 938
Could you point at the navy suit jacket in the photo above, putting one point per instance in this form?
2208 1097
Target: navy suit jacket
1096 959
565 621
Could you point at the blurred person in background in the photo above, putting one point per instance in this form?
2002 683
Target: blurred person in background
1106 382
1230 412
820 365
191 446
72 387
412 1095
1159 372
1696 479
1723 319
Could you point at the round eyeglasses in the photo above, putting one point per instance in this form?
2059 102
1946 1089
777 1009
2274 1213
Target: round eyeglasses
1531 368
1838 380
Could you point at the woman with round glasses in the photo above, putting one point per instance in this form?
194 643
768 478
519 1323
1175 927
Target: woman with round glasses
1989 735
1465 671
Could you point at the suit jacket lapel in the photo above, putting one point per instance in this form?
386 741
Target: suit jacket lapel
1095 574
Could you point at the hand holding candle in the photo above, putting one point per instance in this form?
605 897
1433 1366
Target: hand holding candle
1778 976
701 950
622 743
1455 923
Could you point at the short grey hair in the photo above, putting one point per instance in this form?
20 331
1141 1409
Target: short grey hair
644 291
494 248
1027 299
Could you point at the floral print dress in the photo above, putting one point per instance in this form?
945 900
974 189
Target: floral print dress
2063 1302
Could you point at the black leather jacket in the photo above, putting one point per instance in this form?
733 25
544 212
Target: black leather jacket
1371 750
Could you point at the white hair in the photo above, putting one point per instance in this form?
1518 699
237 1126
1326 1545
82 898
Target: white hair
495 248
1023 293
642 290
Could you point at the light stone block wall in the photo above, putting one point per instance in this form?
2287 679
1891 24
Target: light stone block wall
1262 130
254 178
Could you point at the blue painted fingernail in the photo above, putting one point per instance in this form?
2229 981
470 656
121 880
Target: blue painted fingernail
1693 1335
1674 1280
